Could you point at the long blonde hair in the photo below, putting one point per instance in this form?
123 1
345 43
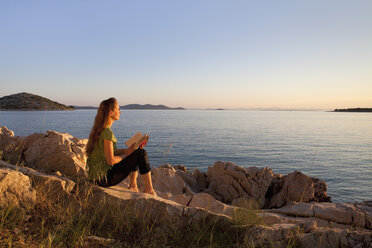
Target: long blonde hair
103 114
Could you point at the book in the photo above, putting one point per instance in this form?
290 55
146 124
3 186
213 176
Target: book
136 139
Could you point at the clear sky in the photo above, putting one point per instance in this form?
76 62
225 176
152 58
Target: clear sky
194 53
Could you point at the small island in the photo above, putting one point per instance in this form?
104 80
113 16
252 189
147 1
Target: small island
354 110
27 101
149 107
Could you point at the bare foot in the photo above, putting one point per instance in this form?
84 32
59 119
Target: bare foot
133 188
151 192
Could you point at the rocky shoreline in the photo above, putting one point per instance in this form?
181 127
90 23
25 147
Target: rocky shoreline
290 207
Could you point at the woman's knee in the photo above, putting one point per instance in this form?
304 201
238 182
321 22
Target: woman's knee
141 152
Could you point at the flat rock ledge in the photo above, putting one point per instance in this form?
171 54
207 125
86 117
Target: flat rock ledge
292 207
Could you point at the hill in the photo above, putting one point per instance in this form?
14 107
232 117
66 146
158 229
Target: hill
27 101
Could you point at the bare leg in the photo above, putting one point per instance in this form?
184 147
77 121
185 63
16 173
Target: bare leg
133 181
148 184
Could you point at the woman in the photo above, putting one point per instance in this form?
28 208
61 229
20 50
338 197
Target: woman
109 166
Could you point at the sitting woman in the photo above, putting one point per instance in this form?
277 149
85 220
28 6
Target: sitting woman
108 166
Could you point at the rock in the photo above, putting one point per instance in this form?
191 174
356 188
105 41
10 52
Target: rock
296 234
94 241
182 199
206 201
55 151
297 209
53 187
333 238
276 235
273 218
167 180
366 207
296 187
16 189
320 191
201 179
191 183
227 181
5 131
11 147
180 167
166 166
341 213
333 212
166 212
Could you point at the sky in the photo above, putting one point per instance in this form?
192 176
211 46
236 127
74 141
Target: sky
195 54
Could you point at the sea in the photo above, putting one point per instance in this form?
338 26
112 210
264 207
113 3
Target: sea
334 147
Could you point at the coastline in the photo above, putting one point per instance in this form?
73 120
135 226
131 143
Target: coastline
264 207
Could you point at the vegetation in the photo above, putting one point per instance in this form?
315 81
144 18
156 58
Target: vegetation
72 221
26 101
354 110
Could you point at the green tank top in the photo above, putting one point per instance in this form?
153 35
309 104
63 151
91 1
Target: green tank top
96 162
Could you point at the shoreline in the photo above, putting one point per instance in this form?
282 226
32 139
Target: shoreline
266 208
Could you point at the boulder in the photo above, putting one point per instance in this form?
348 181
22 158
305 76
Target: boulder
5 131
296 187
201 179
55 151
348 214
166 212
167 180
180 167
296 234
53 187
11 147
206 201
16 189
366 207
227 181
181 199
192 185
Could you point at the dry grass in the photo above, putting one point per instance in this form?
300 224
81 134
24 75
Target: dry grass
68 221
247 213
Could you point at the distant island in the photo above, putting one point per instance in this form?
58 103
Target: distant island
354 110
149 106
136 106
27 101
83 107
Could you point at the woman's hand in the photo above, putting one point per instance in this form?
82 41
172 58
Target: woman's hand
143 144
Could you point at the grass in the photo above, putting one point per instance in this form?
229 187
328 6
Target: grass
68 221
247 213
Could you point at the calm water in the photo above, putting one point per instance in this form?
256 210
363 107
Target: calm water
335 147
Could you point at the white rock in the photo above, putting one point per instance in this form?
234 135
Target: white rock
55 151
206 201
16 189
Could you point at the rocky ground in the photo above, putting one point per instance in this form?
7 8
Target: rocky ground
291 207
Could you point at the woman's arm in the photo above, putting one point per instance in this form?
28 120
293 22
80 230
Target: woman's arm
111 159
122 151
125 152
